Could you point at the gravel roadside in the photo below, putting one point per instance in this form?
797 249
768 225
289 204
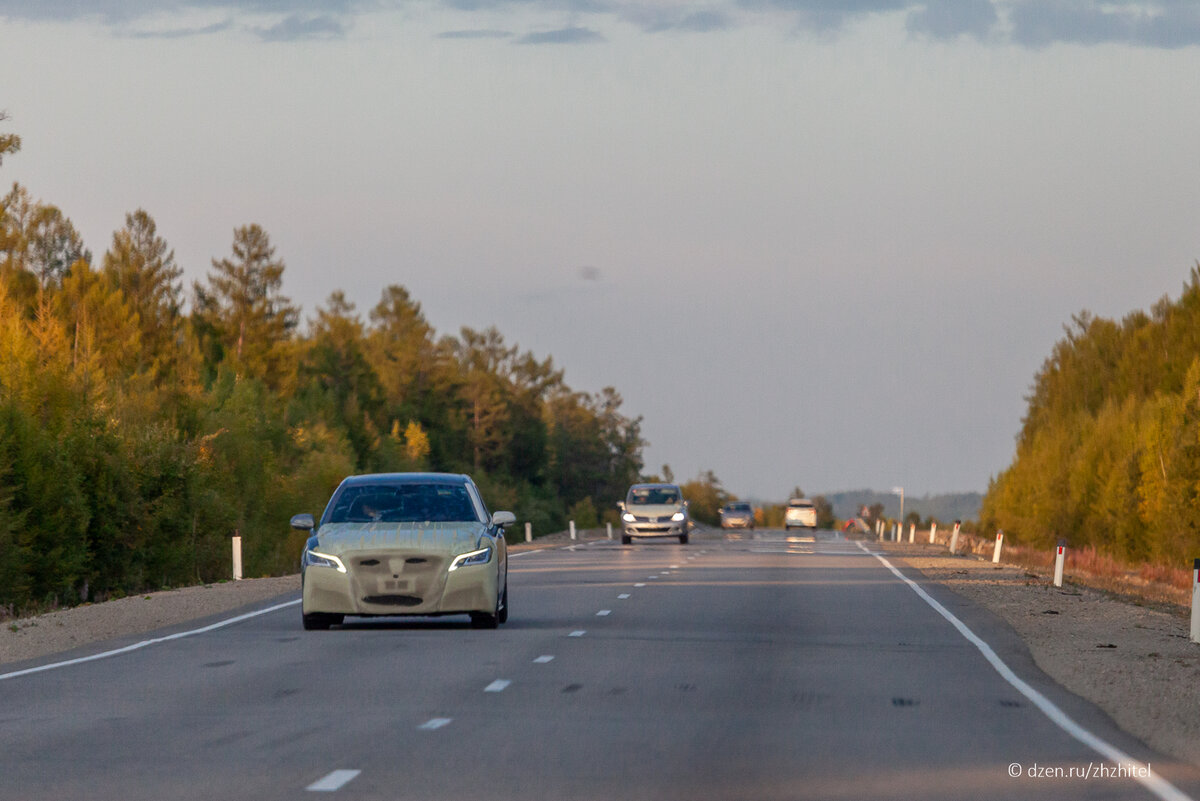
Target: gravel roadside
1135 662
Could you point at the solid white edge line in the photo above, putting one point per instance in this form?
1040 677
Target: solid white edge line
1156 785
333 782
135 646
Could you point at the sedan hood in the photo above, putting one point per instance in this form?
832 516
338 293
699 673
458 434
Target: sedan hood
435 539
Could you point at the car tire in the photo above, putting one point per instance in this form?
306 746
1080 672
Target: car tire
683 539
503 615
320 621
626 540
482 620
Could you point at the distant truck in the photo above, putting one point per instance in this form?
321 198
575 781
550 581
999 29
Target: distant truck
801 513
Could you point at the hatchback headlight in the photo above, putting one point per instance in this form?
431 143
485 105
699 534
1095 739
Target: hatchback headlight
318 559
677 517
628 517
480 557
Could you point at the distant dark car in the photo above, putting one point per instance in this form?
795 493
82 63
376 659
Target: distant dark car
738 514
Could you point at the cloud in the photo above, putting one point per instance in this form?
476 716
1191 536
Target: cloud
475 34
297 28
1166 25
949 19
182 33
658 20
1162 24
562 36
828 15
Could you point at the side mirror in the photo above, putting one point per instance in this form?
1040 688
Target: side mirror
303 522
621 505
502 519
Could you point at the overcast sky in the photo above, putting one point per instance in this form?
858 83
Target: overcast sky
810 242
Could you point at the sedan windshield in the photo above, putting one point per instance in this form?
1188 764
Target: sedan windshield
653 496
404 503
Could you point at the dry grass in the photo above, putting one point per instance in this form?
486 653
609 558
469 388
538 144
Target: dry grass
1143 582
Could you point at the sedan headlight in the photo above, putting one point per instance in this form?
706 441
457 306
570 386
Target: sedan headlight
677 517
318 559
628 518
480 557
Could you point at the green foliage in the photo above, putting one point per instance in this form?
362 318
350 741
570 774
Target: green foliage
136 439
705 497
1109 451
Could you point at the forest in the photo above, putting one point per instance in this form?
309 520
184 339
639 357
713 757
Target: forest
1108 455
142 424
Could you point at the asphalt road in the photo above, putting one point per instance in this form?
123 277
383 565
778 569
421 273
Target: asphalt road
753 668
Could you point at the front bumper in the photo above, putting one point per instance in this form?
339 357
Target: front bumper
656 529
378 584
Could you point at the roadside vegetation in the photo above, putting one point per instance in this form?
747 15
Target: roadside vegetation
142 424
1108 457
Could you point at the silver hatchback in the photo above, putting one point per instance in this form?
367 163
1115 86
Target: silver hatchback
654 510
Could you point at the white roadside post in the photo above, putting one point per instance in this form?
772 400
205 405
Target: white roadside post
932 531
954 538
1059 557
895 532
572 527
999 544
237 556
609 527
1196 601
912 533
529 532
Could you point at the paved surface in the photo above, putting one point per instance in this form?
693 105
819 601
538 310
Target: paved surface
751 668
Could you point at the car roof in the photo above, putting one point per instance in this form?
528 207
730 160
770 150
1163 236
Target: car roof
369 479
653 486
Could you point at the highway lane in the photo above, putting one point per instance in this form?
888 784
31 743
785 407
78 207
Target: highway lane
753 668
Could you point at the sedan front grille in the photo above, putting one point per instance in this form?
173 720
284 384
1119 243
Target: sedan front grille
392 600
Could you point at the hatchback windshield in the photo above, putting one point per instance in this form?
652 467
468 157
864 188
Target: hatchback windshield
404 503
653 496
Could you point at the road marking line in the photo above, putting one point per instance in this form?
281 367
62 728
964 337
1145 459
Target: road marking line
497 686
639 585
579 633
154 641
334 781
541 660
1156 785
434 724
674 567
651 577
604 613
623 596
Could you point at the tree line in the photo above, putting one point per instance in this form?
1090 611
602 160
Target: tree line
1109 450
142 424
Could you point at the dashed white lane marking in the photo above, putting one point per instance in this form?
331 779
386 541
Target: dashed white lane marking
435 723
497 686
651 577
578 633
144 643
1156 785
639 585
623 596
604 613
333 782
541 660
674 567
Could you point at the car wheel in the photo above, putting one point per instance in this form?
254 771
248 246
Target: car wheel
503 616
683 538
482 620
319 621
626 540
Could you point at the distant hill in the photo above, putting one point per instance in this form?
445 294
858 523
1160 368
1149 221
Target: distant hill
947 507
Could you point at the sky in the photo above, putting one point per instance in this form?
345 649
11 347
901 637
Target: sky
814 243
